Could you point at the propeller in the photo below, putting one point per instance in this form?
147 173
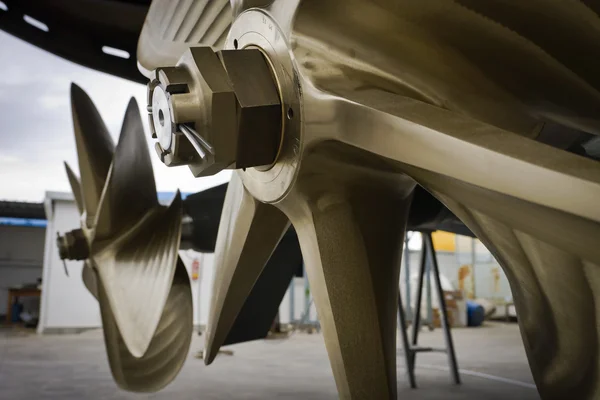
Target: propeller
485 105
130 246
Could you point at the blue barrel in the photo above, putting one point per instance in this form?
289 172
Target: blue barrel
475 314
17 309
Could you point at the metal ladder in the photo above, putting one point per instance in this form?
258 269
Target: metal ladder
428 260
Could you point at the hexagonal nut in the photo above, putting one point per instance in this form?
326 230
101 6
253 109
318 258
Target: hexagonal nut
260 113
210 108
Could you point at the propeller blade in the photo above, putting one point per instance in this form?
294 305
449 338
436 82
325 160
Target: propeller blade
248 234
142 259
351 235
130 191
171 28
75 187
95 149
168 348
88 275
511 192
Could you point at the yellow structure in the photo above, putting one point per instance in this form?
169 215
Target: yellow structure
444 241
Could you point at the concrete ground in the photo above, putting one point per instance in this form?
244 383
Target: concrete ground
491 358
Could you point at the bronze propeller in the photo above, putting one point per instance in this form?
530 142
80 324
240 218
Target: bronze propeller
490 106
130 245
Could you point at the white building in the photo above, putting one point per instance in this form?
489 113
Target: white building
21 252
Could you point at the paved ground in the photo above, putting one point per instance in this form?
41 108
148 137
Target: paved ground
68 367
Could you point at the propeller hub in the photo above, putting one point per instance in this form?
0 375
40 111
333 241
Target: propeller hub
72 245
216 110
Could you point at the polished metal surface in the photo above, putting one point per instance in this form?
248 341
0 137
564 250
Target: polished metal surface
489 106
198 93
173 25
231 100
72 245
162 120
131 248
259 109
248 234
75 187
253 30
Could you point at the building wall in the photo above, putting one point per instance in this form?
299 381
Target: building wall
21 260
66 302
294 304
202 286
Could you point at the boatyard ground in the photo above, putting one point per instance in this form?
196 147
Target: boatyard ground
74 366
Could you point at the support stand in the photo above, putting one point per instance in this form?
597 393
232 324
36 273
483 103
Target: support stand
428 259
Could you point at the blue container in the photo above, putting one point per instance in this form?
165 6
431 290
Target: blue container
475 314
17 309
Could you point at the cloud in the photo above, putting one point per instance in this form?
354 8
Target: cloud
53 102
36 132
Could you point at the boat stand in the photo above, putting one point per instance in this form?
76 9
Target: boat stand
428 260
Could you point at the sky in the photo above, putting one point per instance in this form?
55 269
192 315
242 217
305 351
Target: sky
36 130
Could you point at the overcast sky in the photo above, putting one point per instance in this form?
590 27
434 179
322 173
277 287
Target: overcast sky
36 131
